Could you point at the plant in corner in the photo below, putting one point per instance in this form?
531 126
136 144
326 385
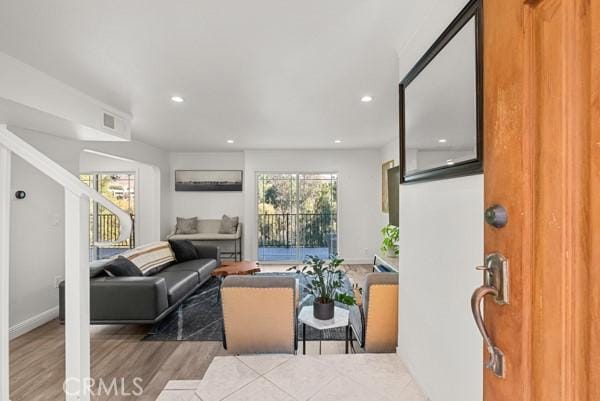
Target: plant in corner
391 235
325 280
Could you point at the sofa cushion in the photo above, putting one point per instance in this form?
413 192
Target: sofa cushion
209 226
186 226
122 267
151 258
179 283
228 224
204 267
184 250
97 267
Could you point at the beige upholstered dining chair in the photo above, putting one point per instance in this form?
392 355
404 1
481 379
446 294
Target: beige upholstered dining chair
375 322
259 314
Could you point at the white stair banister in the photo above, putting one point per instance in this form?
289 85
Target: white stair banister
77 287
77 292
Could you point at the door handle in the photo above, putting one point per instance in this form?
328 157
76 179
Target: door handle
496 285
496 362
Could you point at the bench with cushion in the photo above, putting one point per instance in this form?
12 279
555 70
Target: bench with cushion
212 232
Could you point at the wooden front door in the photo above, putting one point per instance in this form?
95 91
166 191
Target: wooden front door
542 164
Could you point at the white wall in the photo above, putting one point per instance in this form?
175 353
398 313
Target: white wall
441 242
37 234
390 151
205 205
37 222
358 194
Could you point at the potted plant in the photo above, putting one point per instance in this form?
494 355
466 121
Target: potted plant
325 279
391 235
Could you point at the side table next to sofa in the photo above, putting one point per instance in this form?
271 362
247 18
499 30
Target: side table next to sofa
340 319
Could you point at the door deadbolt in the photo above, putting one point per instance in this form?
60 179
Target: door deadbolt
496 216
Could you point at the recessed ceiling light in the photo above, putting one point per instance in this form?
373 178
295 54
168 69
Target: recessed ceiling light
449 162
442 140
366 99
230 141
337 141
177 99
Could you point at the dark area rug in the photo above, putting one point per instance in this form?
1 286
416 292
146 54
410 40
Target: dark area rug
200 318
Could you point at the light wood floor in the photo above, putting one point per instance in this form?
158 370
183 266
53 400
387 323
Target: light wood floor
37 358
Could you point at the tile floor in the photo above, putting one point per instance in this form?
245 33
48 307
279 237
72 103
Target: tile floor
364 377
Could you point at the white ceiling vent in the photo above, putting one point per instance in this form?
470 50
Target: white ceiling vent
115 124
109 121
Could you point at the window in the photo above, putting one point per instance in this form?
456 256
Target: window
297 215
119 188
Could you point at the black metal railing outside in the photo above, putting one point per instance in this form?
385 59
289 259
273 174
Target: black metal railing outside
286 230
108 229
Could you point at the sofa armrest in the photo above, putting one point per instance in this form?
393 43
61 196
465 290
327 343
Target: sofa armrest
172 233
124 298
208 252
238 232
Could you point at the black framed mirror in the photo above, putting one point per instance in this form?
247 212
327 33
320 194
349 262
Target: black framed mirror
441 105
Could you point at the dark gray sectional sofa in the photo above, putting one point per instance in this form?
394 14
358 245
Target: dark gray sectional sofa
145 299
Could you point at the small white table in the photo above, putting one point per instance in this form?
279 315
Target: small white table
340 319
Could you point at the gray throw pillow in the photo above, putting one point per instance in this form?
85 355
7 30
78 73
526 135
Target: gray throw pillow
184 250
122 267
187 226
229 224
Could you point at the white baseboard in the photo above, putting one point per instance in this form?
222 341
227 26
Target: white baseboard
33 322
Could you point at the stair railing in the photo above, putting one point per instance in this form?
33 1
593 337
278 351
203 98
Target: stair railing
77 281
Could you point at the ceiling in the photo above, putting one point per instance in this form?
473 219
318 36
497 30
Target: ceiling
269 74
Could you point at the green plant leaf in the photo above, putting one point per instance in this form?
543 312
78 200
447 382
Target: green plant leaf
391 236
345 299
